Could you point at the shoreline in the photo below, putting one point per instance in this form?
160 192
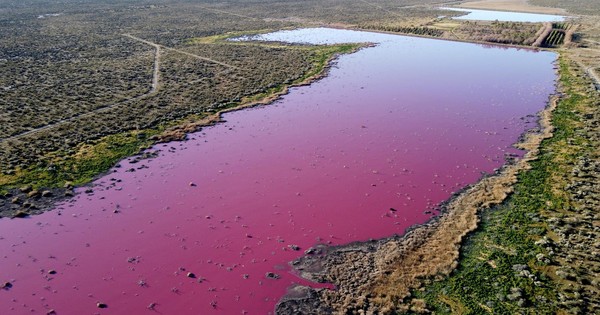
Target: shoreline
37 204
458 40
26 201
179 132
392 267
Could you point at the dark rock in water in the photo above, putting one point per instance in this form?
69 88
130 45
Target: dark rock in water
101 305
7 285
294 247
51 272
21 214
51 312
272 275
191 275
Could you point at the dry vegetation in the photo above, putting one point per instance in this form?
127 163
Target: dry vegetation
584 7
69 75
513 33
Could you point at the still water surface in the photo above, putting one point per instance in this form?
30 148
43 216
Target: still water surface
401 125
505 16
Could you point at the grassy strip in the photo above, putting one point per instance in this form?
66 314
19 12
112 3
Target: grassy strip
502 269
323 54
91 159
94 158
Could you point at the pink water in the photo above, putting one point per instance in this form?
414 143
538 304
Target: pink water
402 125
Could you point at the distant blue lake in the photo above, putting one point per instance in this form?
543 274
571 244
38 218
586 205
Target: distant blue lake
487 15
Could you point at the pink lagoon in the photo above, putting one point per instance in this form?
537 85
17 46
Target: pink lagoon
211 224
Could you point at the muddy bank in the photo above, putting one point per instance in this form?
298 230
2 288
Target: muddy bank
374 277
25 201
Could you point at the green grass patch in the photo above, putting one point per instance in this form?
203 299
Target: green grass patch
322 55
90 160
